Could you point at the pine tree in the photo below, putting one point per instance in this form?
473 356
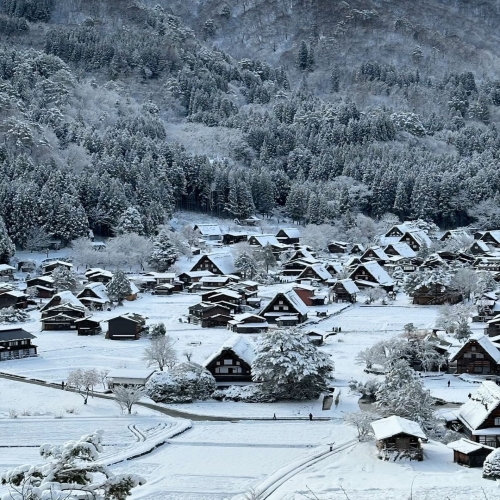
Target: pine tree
64 279
266 256
164 252
119 287
157 330
290 367
246 265
302 56
335 79
71 220
310 59
403 394
130 221
7 248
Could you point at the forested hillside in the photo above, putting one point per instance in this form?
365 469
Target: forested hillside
321 109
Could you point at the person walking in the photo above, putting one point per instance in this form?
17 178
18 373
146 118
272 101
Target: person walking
274 416
310 417
62 385
448 383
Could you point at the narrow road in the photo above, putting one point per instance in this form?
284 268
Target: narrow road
153 406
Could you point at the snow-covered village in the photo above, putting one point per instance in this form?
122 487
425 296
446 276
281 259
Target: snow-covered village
252 359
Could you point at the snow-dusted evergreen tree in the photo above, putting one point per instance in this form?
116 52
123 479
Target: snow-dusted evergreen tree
71 220
290 367
37 239
157 330
487 282
7 248
164 253
246 264
463 331
64 279
73 472
130 221
182 384
119 287
266 257
160 352
403 394
13 315
491 466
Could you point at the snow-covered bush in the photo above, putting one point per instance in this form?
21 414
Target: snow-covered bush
73 472
182 384
491 466
13 315
409 122
367 389
244 393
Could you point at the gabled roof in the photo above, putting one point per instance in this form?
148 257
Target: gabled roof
485 342
378 251
130 373
403 249
6 267
481 245
349 285
208 229
290 232
294 300
58 263
136 318
419 236
223 261
467 446
198 274
239 345
394 425
377 271
98 289
96 271
319 269
480 406
495 234
65 297
9 334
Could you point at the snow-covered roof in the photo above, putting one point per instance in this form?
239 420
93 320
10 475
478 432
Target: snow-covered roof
209 229
485 342
466 446
291 232
227 292
240 345
296 301
223 261
214 278
394 425
402 249
6 267
403 228
99 289
66 297
495 234
420 236
265 239
57 263
130 373
378 272
16 293
198 274
95 271
156 275
481 405
350 286
482 245
320 270
378 251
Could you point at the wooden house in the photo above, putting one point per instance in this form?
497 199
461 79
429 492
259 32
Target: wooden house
44 286
216 263
371 273
469 453
232 237
263 240
210 315
287 321
127 377
62 316
451 234
222 295
345 291
190 277
161 278
283 304
398 437
15 343
209 232
338 247
357 249
13 298
317 272
88 326
316 336
416 240
94 296
486 263
126 327
288 236
252 221
435 293
334 267
398 231
232 362
477 356
479 247
297 266
48 267
6 272
307 294
98 275
400 249
480 415
248 323
493 327
376 254
491 238
62 298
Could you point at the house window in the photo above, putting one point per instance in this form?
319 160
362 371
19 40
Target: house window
228 361
478 369
218 362
238 363
497 420
468 355
479 356
473 348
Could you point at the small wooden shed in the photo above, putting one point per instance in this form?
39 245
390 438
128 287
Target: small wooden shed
468 453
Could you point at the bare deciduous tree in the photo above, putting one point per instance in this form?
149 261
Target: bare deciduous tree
126 397
160 352
83 381
362 421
